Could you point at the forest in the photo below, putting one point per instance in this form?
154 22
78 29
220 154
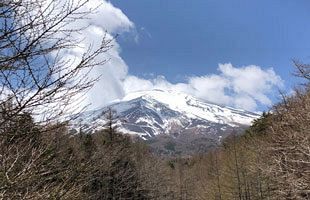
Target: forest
269 161
41 159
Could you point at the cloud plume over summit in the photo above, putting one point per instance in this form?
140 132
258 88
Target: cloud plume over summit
244 87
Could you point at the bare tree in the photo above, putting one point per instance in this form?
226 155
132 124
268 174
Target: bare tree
289 147
302 70
111 123
35 76
37 80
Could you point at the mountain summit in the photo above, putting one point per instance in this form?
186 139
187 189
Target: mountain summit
152 113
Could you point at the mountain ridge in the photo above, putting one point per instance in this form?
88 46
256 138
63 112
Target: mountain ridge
154 112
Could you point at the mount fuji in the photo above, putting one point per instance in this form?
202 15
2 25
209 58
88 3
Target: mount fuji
176 118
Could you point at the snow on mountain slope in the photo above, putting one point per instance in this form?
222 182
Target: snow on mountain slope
195 108
150 113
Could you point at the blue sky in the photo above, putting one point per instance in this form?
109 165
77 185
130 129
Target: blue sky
178 38
237 53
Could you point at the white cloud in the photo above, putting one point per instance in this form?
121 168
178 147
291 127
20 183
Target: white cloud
111 19
211 88
133 83
104 21
251 81
245 102
241 87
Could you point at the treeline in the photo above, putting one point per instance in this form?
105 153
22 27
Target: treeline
270 160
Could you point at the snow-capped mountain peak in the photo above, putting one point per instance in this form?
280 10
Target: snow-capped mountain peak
193 107
154 112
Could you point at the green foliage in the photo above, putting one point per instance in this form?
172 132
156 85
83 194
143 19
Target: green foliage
260 126
170 146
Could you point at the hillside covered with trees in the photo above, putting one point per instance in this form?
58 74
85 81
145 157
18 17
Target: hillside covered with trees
269 161
41 159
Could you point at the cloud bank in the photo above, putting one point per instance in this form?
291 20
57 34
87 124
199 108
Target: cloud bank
241 87
244 87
